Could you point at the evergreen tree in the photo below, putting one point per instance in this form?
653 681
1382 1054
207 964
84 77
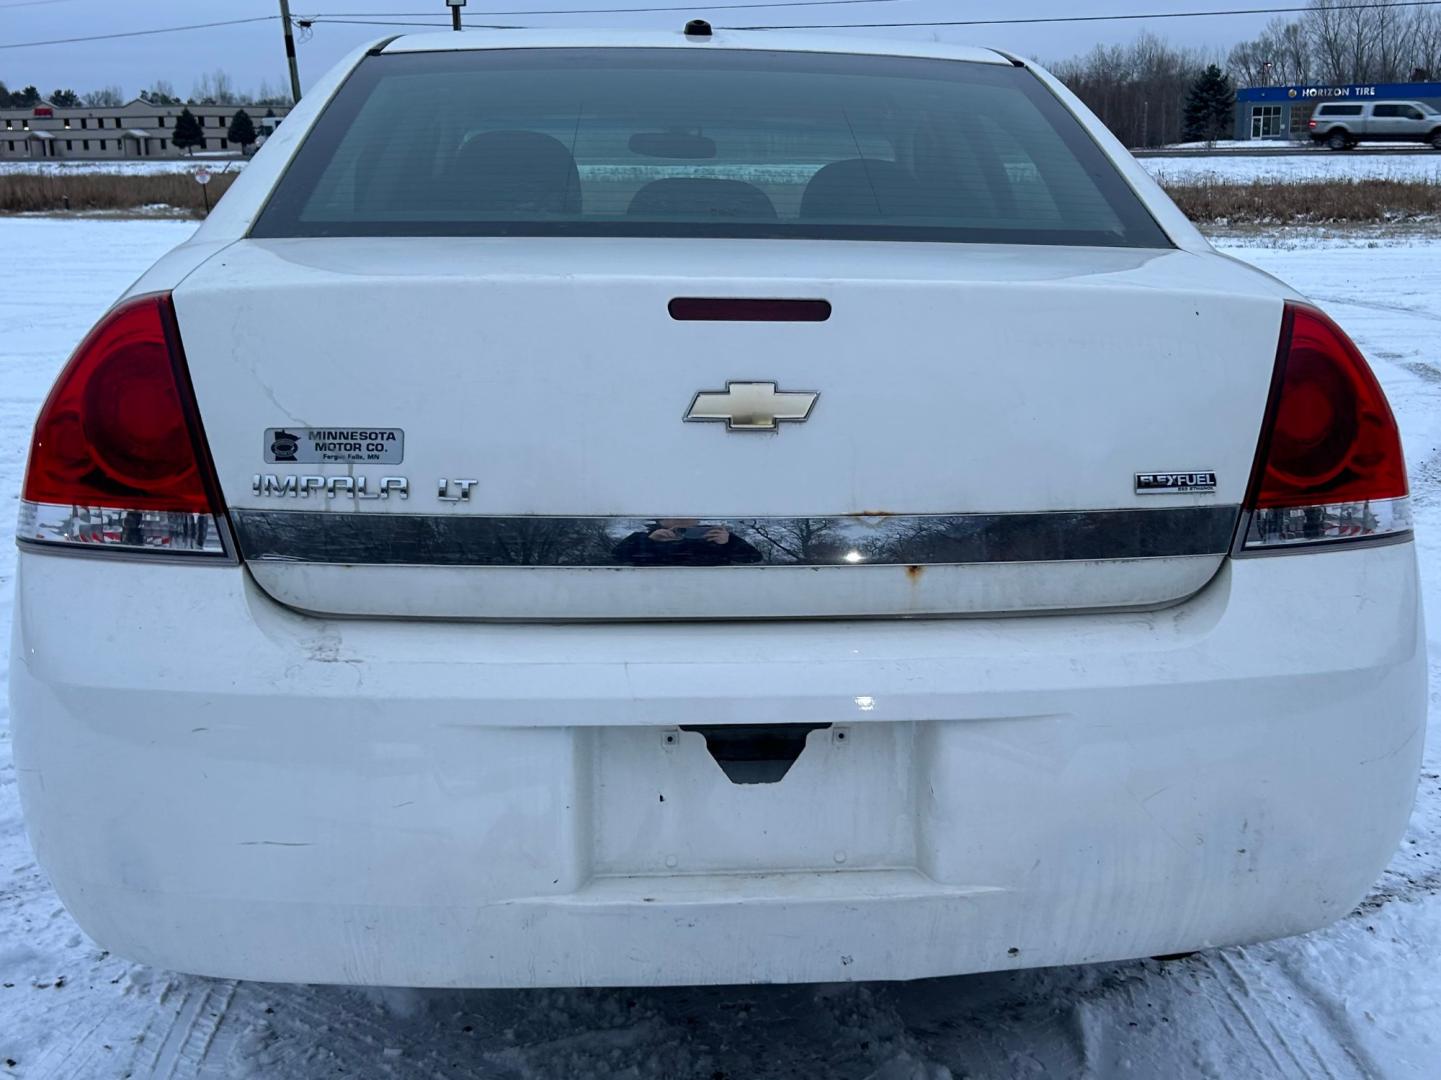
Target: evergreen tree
65 99
242 130
1210 107
25 99
188 134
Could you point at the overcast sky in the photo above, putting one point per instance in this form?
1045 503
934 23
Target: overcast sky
254 52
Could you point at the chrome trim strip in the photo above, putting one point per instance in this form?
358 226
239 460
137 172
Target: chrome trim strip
369 538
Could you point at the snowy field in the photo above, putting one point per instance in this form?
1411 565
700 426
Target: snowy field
1303 165
1361 999
122 168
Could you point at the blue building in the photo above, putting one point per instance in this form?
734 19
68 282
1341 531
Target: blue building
1284 112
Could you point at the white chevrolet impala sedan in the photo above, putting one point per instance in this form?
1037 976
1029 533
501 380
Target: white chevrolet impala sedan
707 508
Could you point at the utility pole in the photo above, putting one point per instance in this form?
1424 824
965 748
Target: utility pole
290 51
455 6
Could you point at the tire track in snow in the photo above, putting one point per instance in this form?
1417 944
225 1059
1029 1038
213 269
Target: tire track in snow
76 1054
307 1030
191 1028
1338 1023
1222 967
1269 1000
1376 305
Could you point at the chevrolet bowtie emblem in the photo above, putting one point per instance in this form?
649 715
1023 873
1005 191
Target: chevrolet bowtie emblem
751 406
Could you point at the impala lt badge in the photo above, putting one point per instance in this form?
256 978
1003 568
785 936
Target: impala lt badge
751 406
305 487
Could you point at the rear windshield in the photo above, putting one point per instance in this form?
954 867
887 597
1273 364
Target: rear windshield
1339 110
701 142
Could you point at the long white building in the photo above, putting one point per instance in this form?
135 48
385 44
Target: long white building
141 129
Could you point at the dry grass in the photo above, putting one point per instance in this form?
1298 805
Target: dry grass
22 193
1211 203
1307 202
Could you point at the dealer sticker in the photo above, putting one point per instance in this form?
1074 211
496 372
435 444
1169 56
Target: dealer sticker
335 446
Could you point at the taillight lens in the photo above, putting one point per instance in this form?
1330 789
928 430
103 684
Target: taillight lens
119 459
1330 466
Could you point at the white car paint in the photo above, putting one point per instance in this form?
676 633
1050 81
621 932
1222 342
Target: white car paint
219 783
577 437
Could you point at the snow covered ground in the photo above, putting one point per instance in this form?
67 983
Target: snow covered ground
1223 144
124 168
1361 999
1303 165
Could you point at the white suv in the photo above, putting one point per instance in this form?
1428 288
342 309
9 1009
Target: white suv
707 509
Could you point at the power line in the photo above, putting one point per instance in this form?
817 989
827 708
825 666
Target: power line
359 19
338 19
142 33
331 20
701 7
366 18
695 8
1132 17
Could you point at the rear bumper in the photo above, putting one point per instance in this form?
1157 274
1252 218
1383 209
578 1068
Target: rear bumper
218 785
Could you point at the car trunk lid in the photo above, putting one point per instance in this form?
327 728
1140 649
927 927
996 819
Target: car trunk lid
981 417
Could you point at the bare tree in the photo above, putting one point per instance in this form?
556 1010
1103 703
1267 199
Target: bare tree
1293 61
1250 62
161 92
800 540
1336 44
216 88
1138 90
1326 28
105 97
1389 28
1358 25
1282 54
269 93
1424 34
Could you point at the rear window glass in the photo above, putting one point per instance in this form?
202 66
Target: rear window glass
700 142
1339 110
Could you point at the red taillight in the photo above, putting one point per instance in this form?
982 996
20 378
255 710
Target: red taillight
118 456
1330 464
1311 123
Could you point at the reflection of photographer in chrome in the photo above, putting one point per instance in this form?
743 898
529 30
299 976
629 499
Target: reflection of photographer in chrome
684 542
